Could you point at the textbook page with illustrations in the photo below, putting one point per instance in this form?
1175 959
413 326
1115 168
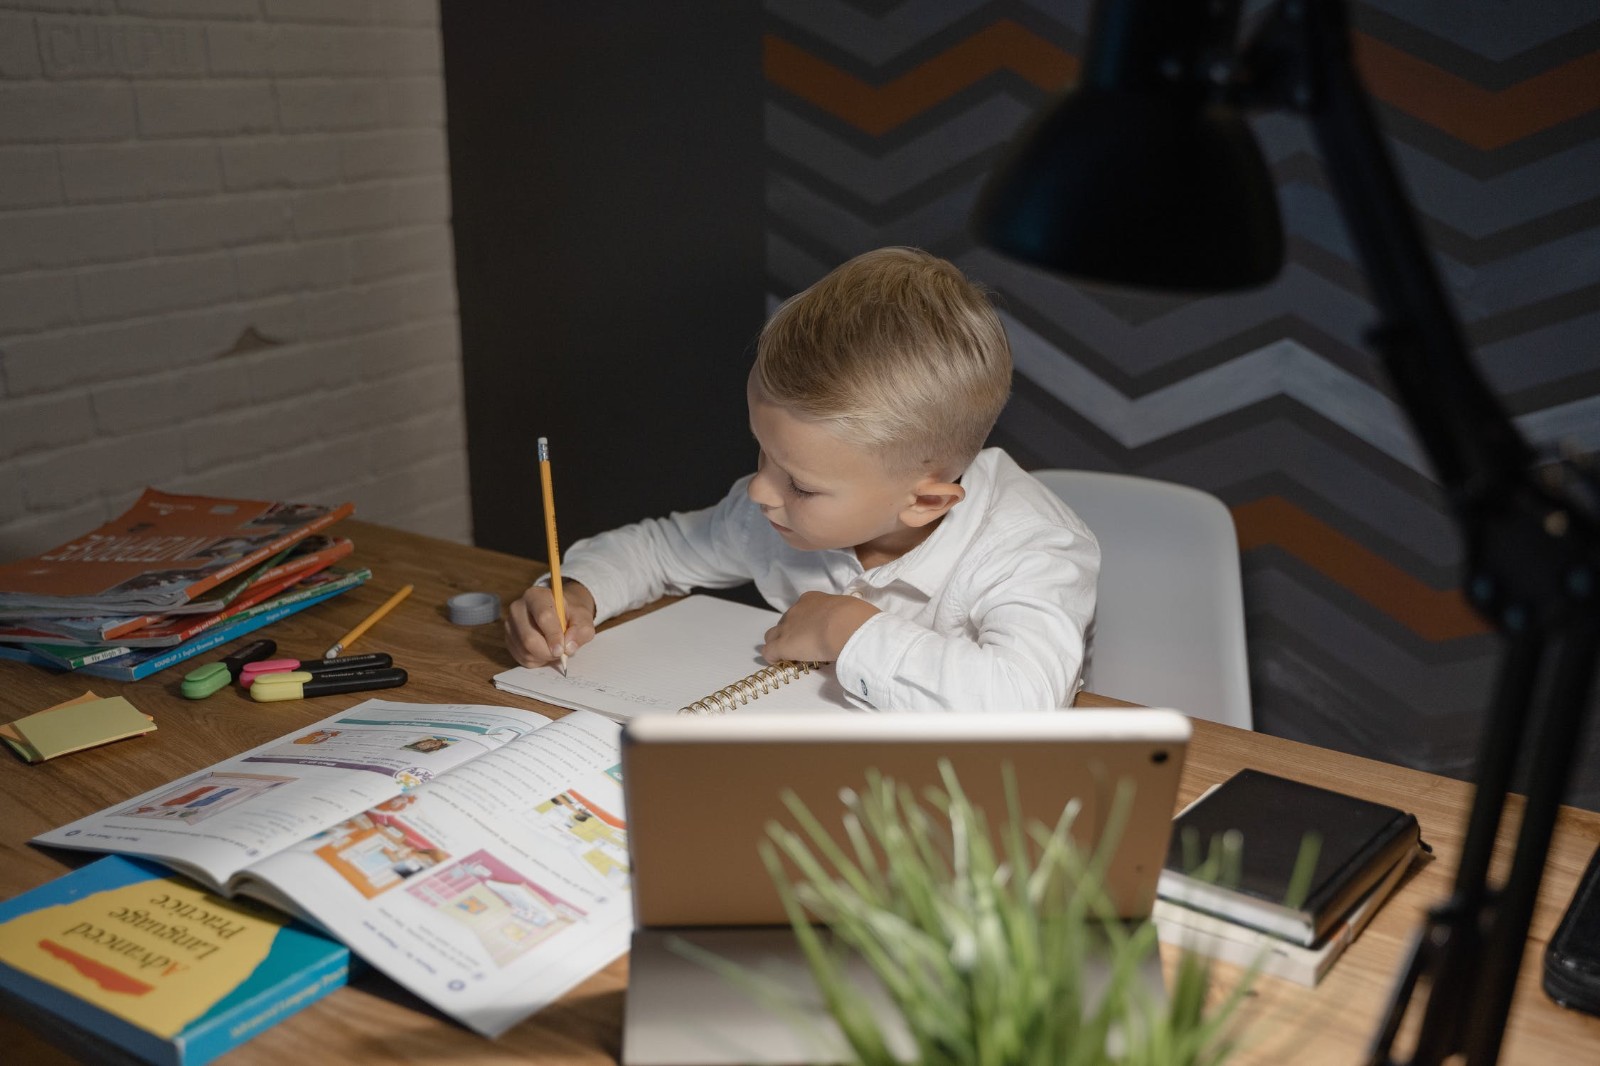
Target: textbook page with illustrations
477 855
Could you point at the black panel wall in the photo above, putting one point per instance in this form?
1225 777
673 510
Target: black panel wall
606 164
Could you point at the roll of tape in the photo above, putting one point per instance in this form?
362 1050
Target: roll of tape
473 608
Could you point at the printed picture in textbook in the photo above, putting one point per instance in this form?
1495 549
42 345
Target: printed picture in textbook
701 654
477 855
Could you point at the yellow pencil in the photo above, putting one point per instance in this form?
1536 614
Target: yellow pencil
555 550
366 623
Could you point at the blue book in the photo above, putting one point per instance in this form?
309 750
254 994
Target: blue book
155 965
145 661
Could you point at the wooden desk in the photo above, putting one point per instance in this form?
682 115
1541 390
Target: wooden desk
376 1022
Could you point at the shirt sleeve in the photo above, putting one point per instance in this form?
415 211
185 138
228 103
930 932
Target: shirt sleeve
637 564
1030 604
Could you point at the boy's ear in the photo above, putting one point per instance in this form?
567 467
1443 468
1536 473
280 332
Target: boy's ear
932 500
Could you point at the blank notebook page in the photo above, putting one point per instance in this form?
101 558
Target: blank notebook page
668 659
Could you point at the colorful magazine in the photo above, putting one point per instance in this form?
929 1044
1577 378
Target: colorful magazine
171 629
142 662
301 560
164 552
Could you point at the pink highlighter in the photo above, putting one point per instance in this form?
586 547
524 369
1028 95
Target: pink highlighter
374 661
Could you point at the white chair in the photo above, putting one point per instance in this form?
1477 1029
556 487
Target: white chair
1169 625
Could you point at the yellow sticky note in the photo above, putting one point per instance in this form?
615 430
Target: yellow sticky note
75 726
8 730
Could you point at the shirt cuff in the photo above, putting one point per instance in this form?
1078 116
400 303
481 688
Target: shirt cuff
596 585
867 662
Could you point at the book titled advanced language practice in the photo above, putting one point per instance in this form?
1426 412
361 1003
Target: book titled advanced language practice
155 966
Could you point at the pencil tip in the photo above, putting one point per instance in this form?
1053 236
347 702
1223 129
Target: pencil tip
563 664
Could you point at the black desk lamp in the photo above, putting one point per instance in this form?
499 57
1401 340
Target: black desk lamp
1146 174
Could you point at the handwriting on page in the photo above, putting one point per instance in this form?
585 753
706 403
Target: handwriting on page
611 689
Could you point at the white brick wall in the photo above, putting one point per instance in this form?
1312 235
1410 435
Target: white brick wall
225 261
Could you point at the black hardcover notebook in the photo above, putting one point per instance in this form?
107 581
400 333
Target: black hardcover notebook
1360 842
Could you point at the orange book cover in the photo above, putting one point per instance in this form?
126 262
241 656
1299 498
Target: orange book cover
309 556
163 551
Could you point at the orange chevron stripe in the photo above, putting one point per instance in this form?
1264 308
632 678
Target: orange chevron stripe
1476 116
1433 614
877 109
1479 117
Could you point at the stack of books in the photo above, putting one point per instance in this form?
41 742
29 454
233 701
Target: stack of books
169 579
1240 910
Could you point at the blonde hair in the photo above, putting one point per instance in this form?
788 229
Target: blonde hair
895 350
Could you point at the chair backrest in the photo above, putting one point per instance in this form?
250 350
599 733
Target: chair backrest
1169 625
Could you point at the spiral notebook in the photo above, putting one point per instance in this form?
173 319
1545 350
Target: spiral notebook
699 655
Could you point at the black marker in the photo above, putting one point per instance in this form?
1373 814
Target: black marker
374 661
300 684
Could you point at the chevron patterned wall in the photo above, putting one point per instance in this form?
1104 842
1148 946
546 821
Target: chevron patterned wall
881 120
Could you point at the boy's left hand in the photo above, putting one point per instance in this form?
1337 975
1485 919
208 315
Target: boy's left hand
816 628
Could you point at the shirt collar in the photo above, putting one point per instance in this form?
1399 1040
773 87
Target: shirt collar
927 567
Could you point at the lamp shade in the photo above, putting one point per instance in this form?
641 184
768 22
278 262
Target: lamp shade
1141 188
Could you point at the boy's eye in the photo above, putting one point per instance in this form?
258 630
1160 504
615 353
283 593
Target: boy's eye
798 491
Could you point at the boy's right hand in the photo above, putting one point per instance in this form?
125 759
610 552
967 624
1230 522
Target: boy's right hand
533 634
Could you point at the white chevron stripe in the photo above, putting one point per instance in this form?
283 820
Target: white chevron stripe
1530 359
1283 368
1553 267
1480 207
1576 424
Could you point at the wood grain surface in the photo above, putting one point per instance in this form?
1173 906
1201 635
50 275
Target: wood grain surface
374 1021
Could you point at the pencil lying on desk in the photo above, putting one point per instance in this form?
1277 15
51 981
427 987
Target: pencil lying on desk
554 549
367 623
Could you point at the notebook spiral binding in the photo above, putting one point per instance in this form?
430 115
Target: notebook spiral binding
746 689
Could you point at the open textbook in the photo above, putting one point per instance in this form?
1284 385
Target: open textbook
477 855
699 654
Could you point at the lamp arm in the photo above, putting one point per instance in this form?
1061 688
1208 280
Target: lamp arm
1532 543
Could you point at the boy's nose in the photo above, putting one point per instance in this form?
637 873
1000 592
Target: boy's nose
761 493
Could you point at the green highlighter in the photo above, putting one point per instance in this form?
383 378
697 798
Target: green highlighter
203 681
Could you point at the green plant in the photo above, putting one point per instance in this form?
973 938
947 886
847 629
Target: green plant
981 944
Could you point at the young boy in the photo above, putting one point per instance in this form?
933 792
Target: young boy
933 574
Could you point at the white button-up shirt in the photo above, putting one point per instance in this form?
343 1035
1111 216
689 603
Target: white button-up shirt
990 613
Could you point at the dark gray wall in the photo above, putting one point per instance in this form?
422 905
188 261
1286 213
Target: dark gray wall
615 246
1273 399
607 166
